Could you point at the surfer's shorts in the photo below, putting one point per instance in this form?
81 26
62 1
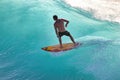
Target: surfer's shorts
64 33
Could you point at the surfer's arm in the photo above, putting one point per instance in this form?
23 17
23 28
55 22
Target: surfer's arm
66 22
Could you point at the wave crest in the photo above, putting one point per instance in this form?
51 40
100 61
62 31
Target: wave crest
101 9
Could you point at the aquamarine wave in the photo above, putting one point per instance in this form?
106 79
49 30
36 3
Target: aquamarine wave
27 26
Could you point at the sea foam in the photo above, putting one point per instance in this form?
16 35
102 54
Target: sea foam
101 9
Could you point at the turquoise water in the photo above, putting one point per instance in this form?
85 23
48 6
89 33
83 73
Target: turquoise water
27 25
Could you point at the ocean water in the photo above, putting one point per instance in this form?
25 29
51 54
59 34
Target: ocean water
27 25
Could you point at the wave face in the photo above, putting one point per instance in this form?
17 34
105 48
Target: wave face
27 25
101 9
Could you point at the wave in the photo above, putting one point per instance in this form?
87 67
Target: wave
97 40
101 9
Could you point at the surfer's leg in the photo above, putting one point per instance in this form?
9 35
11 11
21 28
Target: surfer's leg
60 41
72 38
68 34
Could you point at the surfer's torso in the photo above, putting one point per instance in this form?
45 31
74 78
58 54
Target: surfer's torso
59 24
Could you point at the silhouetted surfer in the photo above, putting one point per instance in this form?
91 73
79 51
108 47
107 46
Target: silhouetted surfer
60 29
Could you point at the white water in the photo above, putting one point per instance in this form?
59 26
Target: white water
101 9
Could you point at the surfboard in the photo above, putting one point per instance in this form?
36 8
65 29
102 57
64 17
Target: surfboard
56 48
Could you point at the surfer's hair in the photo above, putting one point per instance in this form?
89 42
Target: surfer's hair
55 17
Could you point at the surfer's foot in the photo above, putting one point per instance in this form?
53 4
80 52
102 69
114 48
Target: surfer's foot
75 44
61 46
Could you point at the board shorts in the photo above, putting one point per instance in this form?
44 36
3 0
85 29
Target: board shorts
64 33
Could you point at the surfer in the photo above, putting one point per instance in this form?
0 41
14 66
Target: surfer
60 29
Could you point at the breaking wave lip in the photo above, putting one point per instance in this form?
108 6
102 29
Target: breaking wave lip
101 9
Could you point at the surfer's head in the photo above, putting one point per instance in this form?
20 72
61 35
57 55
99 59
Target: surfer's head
55 17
